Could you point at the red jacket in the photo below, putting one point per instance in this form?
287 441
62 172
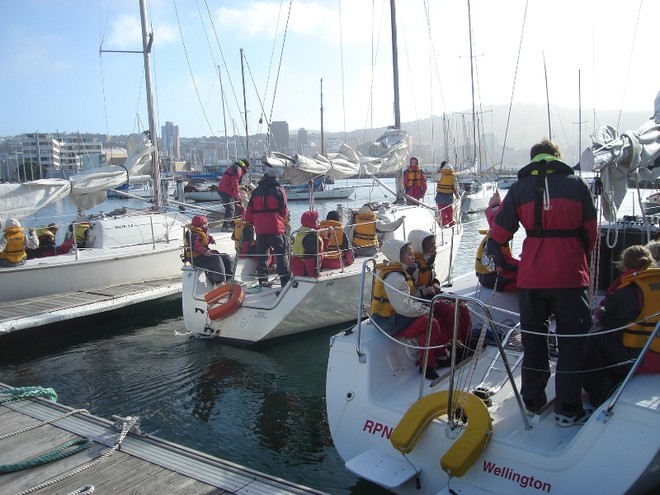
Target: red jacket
230 181
414 182
267 209
556 250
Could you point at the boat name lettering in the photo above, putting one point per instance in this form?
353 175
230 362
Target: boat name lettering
509 474
376 428
124 226
260 315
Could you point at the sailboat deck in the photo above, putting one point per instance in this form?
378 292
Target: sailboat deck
33 312
142 464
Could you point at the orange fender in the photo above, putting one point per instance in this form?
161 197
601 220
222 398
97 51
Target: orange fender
224 300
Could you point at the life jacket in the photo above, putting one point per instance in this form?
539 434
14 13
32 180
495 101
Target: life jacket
188 252
45 235
413 177
81 234
636 335
298 248
335 231
364 232
446 183
15 250
425 272
484 264
380 305
243 235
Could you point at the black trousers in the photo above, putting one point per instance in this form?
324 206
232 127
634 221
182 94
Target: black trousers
572 313
280 245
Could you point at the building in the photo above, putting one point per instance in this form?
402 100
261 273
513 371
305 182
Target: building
279 132
41 156
302 141
171 146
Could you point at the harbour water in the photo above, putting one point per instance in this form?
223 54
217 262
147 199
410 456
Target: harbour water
261 407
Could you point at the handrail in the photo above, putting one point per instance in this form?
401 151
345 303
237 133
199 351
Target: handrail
361 355
607 412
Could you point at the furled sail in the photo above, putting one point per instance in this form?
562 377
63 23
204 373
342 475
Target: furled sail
633 155
23 199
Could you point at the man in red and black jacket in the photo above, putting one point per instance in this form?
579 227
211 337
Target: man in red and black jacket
267 210
557 211
228 190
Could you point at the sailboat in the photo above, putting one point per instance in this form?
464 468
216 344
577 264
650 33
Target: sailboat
244 313
475 189
118 247
468 432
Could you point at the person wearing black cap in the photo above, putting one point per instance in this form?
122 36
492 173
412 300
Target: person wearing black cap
228 189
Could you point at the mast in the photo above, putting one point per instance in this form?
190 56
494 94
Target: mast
547 97
322 139
247 134
398 176
474 113
147 41
224 115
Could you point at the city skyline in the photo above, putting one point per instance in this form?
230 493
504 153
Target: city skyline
49 54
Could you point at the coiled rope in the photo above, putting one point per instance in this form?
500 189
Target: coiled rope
22 393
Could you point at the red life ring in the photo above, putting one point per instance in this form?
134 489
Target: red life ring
224 300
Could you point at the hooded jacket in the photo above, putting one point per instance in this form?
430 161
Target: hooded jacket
393 286
267 209
307 246
231 180
558 213
425 273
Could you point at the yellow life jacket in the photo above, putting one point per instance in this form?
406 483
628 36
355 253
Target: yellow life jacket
635 336
425 272
81 233
414 177
380 305
15 250
237 236
298 248
446 183
484 264
47 233
188 251
335 231
364 232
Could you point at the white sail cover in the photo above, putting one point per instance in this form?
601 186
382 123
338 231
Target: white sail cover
387 155
21 200
632 155
85 189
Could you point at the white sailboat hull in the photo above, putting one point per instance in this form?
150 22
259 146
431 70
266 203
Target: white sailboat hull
123 249
477 198
369 391
304 303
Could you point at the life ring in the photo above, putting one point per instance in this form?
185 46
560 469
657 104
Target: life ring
224 300
466 449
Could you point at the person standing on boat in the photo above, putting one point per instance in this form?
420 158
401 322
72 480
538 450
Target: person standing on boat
396 311
445 192
307 247
414 182
632 303
366 228
229 190
557 211
218 266
267 210
14 243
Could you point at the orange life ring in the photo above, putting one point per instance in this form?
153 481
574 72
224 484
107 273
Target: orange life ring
224 300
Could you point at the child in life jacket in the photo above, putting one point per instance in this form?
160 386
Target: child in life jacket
337 251
307 247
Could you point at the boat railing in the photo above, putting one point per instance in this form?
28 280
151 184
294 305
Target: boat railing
606 413
369 265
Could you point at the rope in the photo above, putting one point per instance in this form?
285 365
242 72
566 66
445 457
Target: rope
56 454
84 490
22 393
32 427
126 427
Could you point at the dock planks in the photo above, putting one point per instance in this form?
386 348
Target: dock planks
143 464
29 313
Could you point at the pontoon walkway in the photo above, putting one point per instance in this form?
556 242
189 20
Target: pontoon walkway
29 313
140 464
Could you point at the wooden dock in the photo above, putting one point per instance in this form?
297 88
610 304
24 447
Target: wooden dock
44 310
118 460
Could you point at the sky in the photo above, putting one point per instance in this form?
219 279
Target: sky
596 54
